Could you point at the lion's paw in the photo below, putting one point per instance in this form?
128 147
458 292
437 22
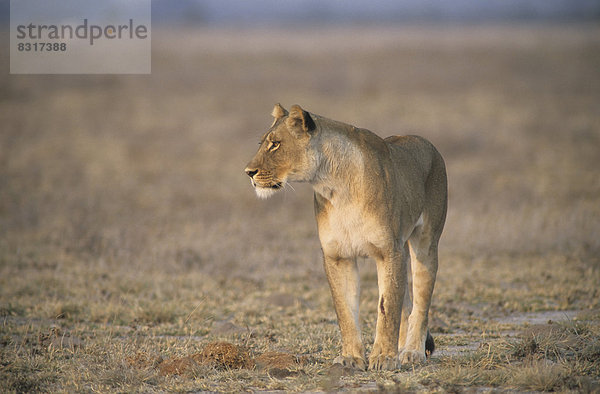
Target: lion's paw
412 357
380 362
352 362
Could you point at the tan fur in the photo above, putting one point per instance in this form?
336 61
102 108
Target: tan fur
373 197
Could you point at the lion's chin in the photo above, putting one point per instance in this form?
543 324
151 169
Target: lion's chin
265 192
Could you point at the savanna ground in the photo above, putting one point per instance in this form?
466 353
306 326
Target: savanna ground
131 241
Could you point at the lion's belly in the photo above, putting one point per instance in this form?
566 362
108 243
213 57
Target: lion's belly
347 233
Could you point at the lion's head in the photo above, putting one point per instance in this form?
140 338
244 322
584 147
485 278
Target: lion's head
284 153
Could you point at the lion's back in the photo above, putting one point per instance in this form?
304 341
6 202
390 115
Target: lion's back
413 151
414 143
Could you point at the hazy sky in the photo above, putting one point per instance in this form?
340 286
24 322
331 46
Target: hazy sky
278 11
284 12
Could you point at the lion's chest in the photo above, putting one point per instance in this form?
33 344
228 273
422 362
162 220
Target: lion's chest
347 232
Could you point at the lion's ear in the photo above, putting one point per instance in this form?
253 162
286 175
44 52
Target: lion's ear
300 120
278 111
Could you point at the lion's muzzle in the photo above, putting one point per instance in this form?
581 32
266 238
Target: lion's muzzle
263 183
251 172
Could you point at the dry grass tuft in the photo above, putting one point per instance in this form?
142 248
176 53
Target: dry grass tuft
142 360
538 375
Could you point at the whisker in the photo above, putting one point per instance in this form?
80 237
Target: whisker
291 187
285 187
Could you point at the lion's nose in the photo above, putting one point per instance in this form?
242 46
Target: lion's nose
251 172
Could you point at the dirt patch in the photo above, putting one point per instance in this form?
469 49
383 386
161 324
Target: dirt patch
55 338
279 365
66 342
283 300
221 355
225 328
539 318
271 360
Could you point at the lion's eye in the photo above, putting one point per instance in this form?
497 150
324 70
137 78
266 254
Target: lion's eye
273 145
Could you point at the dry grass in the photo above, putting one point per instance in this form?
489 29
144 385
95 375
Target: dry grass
129 235
552 357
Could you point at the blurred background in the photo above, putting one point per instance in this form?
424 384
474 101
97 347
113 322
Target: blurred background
144 173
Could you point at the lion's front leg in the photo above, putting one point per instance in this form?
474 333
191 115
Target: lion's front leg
391 279
343 278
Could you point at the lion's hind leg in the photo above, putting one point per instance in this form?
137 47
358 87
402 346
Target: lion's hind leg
424 262
423 244
406 309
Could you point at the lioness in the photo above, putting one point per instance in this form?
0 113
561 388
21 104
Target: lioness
383 198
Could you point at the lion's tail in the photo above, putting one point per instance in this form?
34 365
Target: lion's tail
429 345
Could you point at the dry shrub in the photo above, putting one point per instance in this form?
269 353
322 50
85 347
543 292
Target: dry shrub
226 355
